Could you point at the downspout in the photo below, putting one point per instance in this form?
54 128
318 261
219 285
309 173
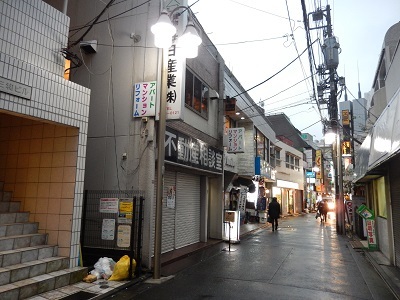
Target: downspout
65 7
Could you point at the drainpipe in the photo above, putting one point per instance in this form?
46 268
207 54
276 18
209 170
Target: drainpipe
65 7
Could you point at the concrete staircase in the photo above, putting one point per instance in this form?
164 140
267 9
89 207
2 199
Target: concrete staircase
28 266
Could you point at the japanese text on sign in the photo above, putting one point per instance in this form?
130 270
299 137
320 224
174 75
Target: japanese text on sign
145 99
236 140
15 88
189 151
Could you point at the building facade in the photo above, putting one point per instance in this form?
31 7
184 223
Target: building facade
377 161
43 123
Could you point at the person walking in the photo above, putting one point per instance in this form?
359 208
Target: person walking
274 211
323 210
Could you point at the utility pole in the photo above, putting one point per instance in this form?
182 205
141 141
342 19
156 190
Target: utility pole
332 61
330 50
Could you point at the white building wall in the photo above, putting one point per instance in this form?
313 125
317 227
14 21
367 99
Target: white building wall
33 34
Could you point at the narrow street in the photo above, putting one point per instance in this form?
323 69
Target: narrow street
304 259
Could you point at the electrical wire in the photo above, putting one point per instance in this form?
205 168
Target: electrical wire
273 74
95 20
295 46
91 25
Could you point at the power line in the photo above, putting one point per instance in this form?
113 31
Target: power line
275 73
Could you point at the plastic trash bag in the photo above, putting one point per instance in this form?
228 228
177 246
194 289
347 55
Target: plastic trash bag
121 269
103 268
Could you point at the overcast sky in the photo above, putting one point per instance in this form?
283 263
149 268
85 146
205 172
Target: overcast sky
254 38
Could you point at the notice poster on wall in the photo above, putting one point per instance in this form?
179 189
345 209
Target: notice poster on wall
108 229
108 205
125 213
171 192
124 236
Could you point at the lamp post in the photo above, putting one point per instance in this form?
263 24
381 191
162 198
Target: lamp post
163 32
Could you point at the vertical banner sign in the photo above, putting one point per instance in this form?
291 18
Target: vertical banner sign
176 69
369 217
235 140
242 199
144 99
318 163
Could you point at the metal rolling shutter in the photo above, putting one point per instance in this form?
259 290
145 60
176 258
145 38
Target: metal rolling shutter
187 228
395 199
168 215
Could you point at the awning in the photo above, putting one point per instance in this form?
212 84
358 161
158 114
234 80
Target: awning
382 143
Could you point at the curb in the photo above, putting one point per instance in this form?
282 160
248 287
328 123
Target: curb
395 289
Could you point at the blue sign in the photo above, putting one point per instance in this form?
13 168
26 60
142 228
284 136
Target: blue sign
310 174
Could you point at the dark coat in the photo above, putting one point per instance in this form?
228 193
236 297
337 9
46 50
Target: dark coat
274 209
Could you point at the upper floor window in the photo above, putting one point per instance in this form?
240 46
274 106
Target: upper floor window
262 148
195 94
292 162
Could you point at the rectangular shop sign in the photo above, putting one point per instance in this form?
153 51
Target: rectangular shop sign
236 140
15 88
185 150
144 99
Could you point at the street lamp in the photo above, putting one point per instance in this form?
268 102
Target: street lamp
163 31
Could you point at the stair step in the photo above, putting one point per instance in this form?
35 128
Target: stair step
10 206
14 217
32 269
23 255
43 283
22 241
18 229
5 196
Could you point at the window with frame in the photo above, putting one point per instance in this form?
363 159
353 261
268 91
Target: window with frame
262 148
195 94
292 162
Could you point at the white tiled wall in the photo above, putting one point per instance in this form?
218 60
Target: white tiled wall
32 34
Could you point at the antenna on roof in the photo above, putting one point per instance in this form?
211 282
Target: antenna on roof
359 86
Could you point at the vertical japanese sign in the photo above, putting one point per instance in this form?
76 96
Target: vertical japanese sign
144 99
318 163
175 84
236 140
369 217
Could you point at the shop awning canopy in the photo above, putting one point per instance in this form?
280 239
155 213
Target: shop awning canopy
382 143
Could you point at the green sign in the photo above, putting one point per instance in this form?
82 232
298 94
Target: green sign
365 212
369 217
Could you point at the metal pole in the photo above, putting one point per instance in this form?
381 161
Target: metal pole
65 7
340 184
160 166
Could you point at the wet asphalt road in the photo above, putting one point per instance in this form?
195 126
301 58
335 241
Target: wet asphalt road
304 259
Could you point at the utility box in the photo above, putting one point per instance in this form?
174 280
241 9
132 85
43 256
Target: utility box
331 52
